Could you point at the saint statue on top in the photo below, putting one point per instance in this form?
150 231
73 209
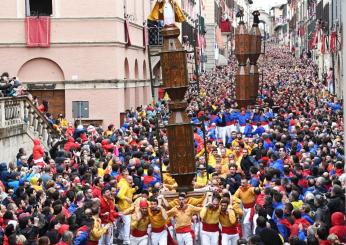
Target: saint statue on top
168 11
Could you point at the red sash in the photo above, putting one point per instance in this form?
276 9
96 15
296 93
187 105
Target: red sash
230 123
231 230
184 229
92 242
210 227
249 205
158 230
138 233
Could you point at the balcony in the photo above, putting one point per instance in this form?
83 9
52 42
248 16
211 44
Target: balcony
155 37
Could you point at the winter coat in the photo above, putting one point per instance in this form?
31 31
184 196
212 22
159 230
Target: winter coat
338 226
71 144
336 204
38 150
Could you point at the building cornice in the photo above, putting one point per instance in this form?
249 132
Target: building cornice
54 19
88 84
79 44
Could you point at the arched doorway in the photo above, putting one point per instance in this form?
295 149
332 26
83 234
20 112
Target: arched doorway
41 76
136 70
40 70
126 69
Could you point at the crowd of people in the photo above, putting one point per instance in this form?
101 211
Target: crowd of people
271 174
10 87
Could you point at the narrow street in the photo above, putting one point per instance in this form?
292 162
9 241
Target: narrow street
172 122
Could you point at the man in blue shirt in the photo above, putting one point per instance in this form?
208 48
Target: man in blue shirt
242 117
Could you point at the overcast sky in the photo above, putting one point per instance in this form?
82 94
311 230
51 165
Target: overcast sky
266 4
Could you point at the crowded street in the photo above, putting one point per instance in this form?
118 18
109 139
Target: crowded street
240 143
279 166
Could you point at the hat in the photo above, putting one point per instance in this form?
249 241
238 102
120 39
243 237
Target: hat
265 159
143 204
63 228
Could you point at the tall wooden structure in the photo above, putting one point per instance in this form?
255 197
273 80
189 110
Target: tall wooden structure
247 46
179 129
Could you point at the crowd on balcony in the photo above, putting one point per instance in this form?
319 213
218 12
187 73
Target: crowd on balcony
271 174
10 87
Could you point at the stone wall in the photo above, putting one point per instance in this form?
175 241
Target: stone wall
11 139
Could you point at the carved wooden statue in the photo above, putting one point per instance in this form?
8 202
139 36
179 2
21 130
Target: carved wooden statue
168 11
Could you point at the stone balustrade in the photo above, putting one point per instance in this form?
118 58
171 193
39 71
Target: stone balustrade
20 111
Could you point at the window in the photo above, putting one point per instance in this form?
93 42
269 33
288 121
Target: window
39 7
80 109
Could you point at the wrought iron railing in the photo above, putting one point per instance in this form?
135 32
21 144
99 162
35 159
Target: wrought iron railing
155 36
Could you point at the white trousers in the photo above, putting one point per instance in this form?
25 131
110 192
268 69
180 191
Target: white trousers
209 238
246 223
184 238
125 229
230 129
107 238
241 129
159 238
139 240
221 134
229 239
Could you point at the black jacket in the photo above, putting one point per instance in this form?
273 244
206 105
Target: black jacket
245 165
269 236
259 152
336 204
233 181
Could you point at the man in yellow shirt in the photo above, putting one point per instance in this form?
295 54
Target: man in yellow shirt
125 196
247 195
97 229
194 201
158 220
210 222
139 224
228 221
169 182
202 178
183 214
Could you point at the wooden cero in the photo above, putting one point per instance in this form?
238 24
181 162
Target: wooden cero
247 46
179 129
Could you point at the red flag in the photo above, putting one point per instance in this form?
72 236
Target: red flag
333 41
37 31
323 46
127 33
315 40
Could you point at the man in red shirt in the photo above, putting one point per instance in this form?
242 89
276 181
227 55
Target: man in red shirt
107 215
98 185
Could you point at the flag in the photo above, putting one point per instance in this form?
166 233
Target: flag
314 40
37 31
323 45
333 41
